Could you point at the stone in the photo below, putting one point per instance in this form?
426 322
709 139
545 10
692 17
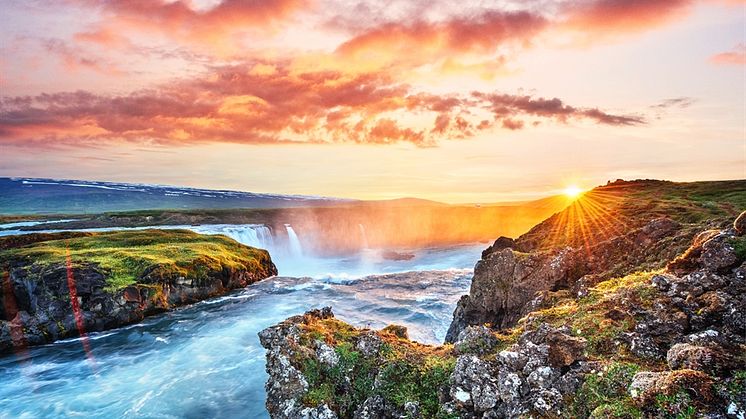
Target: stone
711 359
396 330
476 339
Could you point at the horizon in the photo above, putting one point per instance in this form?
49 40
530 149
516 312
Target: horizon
571 192
426 100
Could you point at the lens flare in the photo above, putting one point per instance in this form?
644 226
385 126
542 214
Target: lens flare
572 191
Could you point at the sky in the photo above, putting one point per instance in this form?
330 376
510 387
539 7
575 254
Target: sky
468 101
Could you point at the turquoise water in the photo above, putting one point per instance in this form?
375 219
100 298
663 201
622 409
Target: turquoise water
205 360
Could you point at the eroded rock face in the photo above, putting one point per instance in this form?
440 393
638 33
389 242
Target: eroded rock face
287 385
506 280
37 308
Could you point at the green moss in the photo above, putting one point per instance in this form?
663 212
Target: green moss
597 317
126 257
735 387
406 371
606 395
329 384
739 246
675 406
405 381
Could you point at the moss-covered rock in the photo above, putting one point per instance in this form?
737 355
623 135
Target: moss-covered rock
116 278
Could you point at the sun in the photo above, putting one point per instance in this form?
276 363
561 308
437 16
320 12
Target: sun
572 191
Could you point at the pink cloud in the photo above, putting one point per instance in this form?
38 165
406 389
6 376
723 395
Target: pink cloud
235 104
736 56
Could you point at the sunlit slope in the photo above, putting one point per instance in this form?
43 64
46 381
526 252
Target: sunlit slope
614 209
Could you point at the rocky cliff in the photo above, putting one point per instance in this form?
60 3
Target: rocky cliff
61 285
611 231
643 316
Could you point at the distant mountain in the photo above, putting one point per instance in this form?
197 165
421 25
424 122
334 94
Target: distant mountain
54 196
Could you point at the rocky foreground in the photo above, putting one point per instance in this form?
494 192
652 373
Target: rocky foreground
60 285
609 309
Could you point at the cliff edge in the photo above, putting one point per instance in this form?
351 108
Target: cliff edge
61 285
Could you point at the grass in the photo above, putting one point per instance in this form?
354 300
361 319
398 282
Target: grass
596 317
127 257
607 211
739 246
605 395
406 371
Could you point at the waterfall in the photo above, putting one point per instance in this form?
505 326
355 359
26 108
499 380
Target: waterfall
254 235
295 248
363 236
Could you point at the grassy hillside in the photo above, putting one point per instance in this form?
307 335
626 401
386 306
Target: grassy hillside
614 209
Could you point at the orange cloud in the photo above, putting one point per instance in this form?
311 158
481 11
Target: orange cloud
599 17
237 104
181 21
737 56
420 42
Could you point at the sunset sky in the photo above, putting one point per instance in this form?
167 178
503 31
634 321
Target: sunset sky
457 101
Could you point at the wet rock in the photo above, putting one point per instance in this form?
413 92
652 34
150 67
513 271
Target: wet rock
392 255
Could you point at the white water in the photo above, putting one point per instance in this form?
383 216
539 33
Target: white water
296 250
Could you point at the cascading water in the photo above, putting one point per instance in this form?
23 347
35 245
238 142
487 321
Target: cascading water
363 236
255 235
296 250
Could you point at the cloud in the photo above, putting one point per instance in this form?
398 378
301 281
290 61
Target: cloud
484 32
216 27
75 59
677 102
504 107
611 17
736 56
253 105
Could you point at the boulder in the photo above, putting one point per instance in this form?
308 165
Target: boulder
396 330
476 340
506 281
501 243
712 359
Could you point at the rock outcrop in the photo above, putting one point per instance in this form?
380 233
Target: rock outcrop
506 280
35 298
664 343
